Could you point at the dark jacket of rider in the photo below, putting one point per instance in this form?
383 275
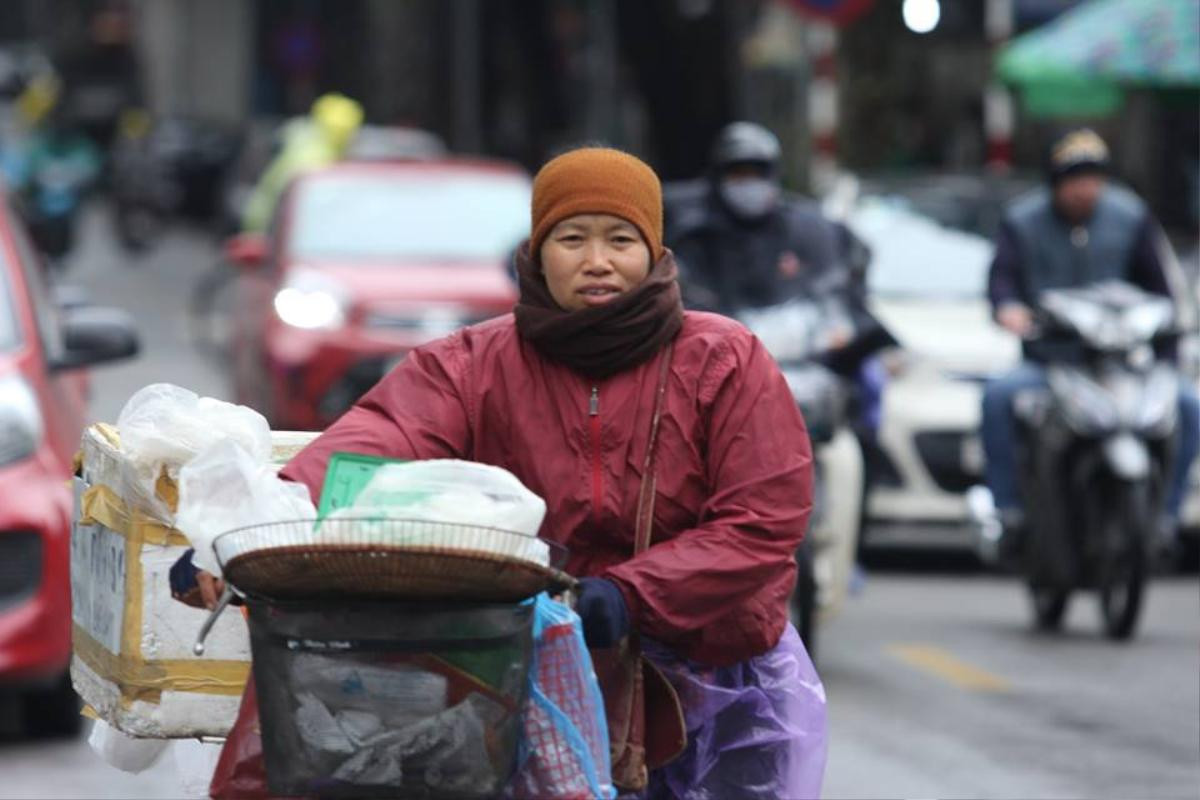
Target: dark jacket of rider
1038 249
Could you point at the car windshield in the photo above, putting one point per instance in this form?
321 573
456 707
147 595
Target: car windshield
10 326
913 256
388 216
969 203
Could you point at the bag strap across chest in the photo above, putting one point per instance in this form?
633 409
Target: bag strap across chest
645 507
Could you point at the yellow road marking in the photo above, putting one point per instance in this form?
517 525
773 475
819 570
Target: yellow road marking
936 661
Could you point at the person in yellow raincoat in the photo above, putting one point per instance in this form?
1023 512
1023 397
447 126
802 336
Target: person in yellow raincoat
319 139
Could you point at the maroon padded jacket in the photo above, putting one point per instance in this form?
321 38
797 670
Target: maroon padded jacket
734 474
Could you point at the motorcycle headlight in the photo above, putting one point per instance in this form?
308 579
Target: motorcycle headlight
1145 320
1088 408
1159 403
20 420
311 301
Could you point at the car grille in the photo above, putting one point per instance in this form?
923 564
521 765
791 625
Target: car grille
412 323
20 565
346 391
881 470
943 454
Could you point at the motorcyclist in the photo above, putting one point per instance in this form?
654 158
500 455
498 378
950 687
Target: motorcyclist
318 140
53 170
743 243
1077 230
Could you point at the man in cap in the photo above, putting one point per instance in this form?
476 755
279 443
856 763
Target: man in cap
1077 230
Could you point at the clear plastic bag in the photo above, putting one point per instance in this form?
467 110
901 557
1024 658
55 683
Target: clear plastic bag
126 753
564 750
224 488
447 491
163 427
393 695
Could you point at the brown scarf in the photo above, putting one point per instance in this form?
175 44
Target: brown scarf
604 340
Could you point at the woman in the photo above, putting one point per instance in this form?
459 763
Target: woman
598 360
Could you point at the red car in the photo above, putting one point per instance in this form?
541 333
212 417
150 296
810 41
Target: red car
44 346
366 261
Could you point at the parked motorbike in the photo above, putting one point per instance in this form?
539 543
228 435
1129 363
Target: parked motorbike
167 169
59 170
1095 450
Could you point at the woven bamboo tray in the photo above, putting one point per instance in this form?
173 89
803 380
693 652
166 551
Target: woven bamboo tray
357 558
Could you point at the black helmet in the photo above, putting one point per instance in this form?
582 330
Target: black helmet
745 143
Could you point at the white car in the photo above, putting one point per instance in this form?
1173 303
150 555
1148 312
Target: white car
927 285
1190 352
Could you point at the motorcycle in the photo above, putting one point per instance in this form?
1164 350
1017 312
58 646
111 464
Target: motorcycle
1095 450
167 169
810 339
58 173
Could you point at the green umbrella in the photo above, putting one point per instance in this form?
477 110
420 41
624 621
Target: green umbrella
1078 63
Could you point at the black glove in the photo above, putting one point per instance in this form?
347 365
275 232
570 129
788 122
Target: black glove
183 578
601 606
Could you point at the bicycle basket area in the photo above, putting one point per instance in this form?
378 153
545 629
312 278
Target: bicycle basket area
390 699
389 558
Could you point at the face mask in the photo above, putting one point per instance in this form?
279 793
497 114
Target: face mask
750 199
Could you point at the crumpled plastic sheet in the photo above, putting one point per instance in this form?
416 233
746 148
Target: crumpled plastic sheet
394 695
449 750
226 487
163 426
756 730
449 491
126 753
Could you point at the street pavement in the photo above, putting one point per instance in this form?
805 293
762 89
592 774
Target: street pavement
154 286
937 685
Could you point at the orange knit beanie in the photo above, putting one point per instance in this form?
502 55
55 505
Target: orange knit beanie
597 180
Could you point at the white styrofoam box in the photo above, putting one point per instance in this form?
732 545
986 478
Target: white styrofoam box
134 663
176 715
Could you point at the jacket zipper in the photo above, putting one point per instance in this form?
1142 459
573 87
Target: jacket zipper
597 474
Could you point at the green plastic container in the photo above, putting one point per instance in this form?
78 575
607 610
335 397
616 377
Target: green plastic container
345 478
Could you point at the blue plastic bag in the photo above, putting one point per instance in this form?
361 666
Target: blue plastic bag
564 748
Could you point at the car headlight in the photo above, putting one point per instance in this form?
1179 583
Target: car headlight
311 301
20 420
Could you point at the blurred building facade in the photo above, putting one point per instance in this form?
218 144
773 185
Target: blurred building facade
844 82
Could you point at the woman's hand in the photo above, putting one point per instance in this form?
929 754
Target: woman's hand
211 588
